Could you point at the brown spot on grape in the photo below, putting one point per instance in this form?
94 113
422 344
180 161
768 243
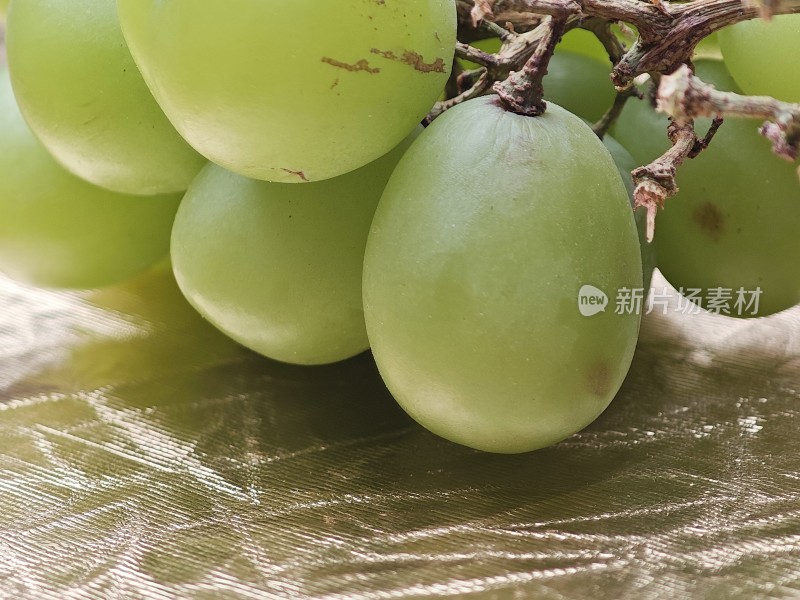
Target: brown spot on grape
413 59
710 220
361 65
299 174
599 378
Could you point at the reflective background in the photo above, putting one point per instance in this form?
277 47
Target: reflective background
142 455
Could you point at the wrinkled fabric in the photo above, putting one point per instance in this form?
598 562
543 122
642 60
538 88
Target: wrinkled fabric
143 455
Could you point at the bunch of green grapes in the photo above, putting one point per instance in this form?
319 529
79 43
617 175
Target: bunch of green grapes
485 260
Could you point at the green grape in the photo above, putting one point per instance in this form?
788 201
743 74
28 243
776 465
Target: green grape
734 225
585 43
490 45
486 232
59 231
734 222
581 85
625 164
4 8
334 85
82 95
762 56
277 266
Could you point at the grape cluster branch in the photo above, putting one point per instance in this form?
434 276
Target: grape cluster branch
684 96
656 182
667 36
522 91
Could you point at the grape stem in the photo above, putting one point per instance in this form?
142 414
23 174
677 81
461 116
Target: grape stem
475 55
478 88
667 37
612 114
522 91
656 182
683 96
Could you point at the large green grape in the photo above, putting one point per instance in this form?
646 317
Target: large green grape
734 223
277 266
59 231
82 95
293 91
762 56
485 234
4 8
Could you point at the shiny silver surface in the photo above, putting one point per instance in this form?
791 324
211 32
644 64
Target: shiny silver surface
142 455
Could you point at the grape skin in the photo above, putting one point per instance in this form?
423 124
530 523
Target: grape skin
580 84
82 95
277 266
59 231
486 231
762 56
294 104
581 41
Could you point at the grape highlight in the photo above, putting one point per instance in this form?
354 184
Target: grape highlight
59 231
85 100
275 91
